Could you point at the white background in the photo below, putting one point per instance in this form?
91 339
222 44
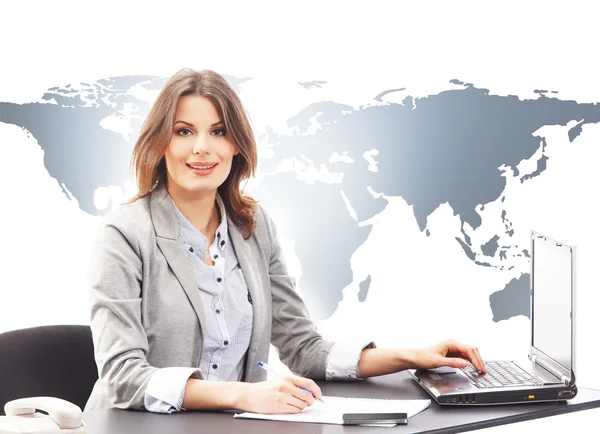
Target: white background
360 49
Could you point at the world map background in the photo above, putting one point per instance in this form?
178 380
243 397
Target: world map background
458 149
398 266
455 148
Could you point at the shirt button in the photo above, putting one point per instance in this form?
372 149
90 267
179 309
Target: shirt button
218 234
215 366
222 243
191 249
225 342
219 279
215 257
218 311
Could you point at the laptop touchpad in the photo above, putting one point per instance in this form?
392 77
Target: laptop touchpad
449 376
443 370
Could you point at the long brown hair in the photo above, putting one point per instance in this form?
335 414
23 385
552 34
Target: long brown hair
148 159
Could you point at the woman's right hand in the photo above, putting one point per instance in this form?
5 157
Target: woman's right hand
282 395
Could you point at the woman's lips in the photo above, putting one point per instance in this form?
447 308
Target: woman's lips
202 169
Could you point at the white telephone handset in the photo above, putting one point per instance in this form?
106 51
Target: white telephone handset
21 417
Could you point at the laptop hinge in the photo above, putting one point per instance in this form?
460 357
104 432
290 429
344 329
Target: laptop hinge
534 358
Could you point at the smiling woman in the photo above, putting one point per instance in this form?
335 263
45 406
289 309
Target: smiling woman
189 288
196 113
200 153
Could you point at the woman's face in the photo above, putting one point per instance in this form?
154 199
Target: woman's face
200 152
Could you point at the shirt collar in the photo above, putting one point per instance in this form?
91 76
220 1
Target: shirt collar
221 234
194 237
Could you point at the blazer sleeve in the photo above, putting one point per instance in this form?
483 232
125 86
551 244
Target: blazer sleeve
293 333
120 340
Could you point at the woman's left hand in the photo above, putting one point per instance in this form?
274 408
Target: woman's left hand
449 353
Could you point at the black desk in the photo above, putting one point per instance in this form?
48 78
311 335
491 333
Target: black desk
435 419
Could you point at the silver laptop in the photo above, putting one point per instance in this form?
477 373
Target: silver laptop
547 372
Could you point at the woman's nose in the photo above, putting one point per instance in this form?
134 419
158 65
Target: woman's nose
201 144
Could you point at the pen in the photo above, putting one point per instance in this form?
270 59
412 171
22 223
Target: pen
266 368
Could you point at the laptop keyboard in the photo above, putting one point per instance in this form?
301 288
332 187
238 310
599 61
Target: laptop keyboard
501 374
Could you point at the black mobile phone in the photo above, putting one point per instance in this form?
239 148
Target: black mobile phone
362 418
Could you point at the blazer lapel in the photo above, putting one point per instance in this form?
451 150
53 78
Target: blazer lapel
169 241
248 257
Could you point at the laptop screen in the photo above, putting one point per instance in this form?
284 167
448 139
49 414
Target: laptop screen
551 310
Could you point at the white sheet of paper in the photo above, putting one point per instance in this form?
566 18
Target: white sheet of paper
334 407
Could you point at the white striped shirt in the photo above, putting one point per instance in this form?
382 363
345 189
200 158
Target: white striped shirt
224 294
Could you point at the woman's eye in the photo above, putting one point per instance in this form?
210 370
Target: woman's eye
184 132
219 132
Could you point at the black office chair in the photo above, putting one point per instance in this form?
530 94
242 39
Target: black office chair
53 360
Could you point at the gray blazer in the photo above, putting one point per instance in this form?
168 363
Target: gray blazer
146 311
